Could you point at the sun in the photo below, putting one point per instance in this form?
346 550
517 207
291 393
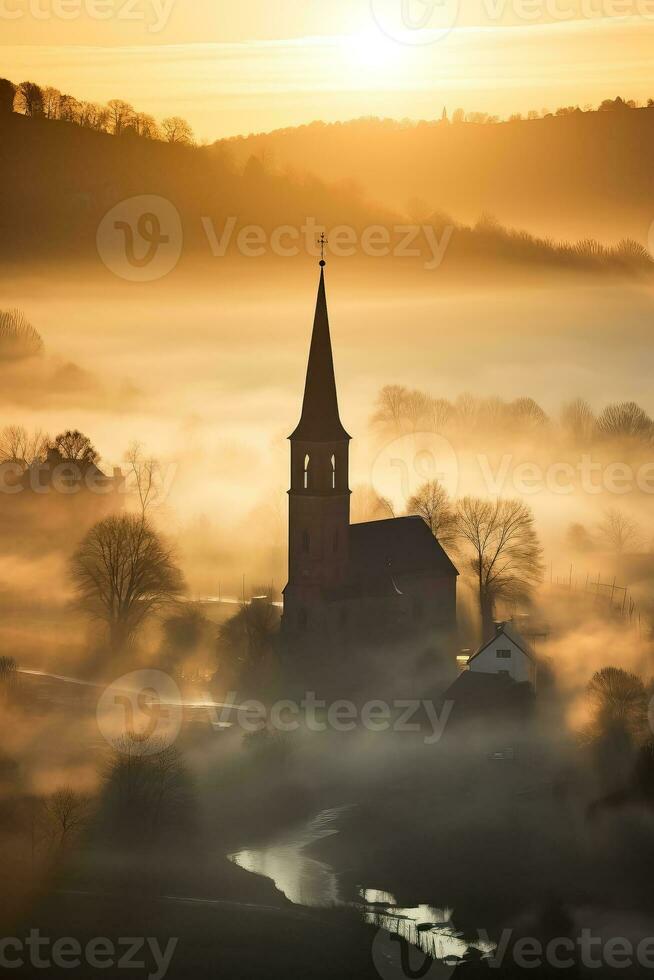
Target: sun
372 51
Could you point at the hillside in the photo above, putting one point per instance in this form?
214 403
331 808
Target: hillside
584 174
54 213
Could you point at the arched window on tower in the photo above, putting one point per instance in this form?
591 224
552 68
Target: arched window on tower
333 472
307 464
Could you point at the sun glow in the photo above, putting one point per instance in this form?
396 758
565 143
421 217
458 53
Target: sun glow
371 51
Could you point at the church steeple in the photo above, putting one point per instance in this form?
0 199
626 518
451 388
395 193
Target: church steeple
320 420
319 496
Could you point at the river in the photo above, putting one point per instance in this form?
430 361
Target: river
306 880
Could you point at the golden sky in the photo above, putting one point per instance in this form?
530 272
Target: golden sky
237 68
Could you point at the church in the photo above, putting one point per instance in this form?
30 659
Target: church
376 583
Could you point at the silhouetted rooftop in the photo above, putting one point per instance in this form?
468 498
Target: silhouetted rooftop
401 545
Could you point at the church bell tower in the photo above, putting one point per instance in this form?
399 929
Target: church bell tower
319 498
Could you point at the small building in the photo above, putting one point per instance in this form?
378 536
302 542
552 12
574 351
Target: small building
505 654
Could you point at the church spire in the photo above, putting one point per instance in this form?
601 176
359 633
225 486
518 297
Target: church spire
320 421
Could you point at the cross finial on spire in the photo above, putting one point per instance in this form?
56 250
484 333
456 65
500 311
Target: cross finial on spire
322 241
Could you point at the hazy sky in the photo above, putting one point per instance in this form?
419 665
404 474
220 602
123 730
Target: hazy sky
232 68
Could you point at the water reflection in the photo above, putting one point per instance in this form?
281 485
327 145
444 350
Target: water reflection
303 879
427 928
307 881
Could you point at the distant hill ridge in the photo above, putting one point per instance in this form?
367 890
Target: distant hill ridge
570 175
59 179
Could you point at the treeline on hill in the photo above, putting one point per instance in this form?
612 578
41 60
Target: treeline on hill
99 156
401 410
117 117
570 173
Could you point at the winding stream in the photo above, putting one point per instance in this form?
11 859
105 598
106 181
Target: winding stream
305 880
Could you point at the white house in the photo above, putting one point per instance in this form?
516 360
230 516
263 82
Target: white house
505 653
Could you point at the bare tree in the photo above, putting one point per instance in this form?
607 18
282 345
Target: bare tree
18 338
417 409
93 116
17 445
146 786
248 636
506 555
439 413
578 420
147 476
7 96
67 813
618 533
29 99
433 504
527 413
123 572
390 410
120 115
146 126
51 100
69 108
74 445
177 130
625 419
618 723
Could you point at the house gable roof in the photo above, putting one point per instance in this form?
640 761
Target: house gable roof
503 631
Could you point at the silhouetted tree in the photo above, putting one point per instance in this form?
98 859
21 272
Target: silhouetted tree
618 533
578 419
93 116
18 338
145 126
527 413
184 630
625 419
506 555
29 99
247 639
177 130
390 410
17 445
66 813
122 573
7 95
146 476
617 695
147 788
432 503
74 445
120 115
51 101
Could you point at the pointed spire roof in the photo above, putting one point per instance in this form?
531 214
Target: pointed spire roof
320 421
